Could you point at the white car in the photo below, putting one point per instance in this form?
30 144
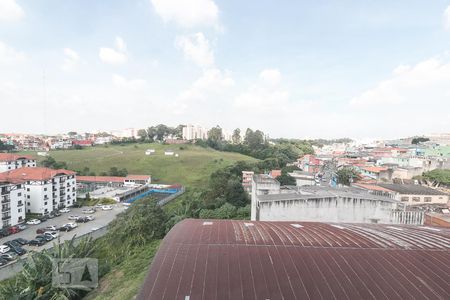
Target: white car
64 210
4 249
90 218
52 228
88 211
73 217
107 207
34 222
72 225
53 234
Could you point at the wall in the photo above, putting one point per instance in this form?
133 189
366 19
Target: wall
442 199
332 209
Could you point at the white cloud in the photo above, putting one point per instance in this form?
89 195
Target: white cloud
196 48
187 13
10 11
447 18
210 86
71 60
9 55
426 81
266 95
131 84
116 56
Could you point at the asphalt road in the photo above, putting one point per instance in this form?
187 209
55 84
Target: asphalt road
102 218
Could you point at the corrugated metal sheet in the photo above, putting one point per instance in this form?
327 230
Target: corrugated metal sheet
227 259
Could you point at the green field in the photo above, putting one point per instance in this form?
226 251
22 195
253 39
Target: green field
191 168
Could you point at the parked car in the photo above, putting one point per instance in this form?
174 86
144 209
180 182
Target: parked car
3 262
52 228
33 222
18 250
11 244
90 218
9 256
20 241
107 207
4 248
53 234
73 225
88 211
64 210
73 217
43 218
13 229
44 237
4 232
41 230
82 220
56 213
36 242
22 227
98 205
50 216
65 228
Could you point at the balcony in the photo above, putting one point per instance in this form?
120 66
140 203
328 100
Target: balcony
6 199
20 204
6 216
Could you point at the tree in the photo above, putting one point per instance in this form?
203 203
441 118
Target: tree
286 179
418 140
346 176
236 136
235 194
143 135
215 137
72 133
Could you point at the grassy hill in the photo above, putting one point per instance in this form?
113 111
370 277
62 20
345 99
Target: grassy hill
191 168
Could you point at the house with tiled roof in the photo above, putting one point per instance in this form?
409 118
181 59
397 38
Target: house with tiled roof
12 161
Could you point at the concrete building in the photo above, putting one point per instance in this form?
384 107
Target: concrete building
191 132
247 180
409 194
12 210
10 161
270 202
304 178
45 189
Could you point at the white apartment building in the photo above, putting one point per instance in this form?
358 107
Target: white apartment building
191 132
12 210
45 190
10 161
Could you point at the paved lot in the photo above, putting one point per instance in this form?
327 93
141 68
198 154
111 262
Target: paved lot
102 218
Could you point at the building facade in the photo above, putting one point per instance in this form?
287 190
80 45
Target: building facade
9 161
191 132
45 190
12 208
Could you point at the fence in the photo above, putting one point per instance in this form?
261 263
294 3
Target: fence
407 217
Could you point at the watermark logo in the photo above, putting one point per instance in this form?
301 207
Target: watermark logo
81 273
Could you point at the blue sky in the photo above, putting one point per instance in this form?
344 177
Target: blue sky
362 69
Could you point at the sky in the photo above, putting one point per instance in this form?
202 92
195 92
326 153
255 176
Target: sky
295 69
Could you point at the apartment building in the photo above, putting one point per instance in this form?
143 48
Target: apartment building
12 210
45 190
10 161
191 132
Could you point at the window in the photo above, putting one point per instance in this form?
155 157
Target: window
45 189
19 210
45 203
28 189
19 194
427 199
29 210
405 199
28 203
28 196
416 199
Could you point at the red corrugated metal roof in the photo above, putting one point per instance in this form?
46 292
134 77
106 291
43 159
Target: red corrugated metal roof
228 259
103 179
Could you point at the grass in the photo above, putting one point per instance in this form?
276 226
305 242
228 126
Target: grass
124 281
191 168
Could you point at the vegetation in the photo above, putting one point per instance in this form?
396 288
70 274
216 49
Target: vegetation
159 133
6 147
438 176
346 176
192 168
418 140
50 162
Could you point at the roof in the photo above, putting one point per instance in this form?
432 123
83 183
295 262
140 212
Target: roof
82 142
372 187
411 189
107 179
313 192
374 169
24 174
230 259
12 157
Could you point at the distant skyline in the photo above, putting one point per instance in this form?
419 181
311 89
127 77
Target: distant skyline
295 69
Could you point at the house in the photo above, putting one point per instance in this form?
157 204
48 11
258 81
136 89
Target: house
377 173
169 152
304 178
247 181
12 210
409 194
82 143
45 189
115 180
10 161
149 151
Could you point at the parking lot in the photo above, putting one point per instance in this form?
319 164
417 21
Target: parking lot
102 218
